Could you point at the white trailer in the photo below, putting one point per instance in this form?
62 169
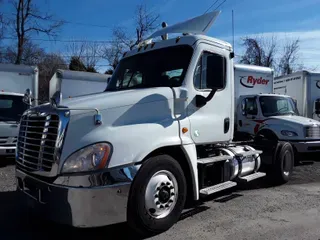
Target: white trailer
77 83
304 86
14 80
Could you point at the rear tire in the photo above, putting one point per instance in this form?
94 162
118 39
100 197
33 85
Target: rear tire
282 167
157 196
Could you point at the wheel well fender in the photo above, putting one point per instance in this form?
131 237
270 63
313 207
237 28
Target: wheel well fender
267 133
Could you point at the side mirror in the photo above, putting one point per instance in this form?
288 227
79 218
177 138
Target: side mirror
243 107
56 99
108 80
295 102
215 76
27 98
317 106
215 72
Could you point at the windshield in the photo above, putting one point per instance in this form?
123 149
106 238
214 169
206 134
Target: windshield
159 68
276 105
11 107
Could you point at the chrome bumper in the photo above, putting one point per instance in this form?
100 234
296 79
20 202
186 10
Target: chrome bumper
307 147
97 200
7 151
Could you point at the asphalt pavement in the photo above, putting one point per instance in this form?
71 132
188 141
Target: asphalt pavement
258 211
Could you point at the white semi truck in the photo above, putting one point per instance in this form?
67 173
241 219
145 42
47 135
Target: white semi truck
304 86
159 136
275 116
14 80
77 83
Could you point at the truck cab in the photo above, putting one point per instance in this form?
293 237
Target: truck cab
11 109
159 136
259 112
276 117
14 80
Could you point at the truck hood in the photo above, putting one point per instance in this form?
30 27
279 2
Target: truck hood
297 120
8 129
115 99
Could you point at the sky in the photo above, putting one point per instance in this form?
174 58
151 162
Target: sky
283 19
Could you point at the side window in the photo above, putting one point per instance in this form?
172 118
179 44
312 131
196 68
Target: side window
200 76
249 106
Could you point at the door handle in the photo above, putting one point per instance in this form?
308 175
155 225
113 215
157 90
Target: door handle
226 125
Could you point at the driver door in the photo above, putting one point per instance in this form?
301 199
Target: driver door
247 120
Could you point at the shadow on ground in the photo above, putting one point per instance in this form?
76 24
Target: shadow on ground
6 161
16 224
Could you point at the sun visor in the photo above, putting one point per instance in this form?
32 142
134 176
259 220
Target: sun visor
197 25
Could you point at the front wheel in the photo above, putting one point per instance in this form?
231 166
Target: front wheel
283 163
157 196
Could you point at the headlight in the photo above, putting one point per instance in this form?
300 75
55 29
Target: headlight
289 133
90 158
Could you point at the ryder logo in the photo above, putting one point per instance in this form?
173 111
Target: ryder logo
250 82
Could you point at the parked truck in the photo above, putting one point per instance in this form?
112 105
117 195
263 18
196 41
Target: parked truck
274 116
14 80
304 86
158 137
76 83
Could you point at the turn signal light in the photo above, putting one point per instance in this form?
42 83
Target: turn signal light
184 130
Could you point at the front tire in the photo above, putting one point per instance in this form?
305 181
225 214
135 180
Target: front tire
157 196
283 163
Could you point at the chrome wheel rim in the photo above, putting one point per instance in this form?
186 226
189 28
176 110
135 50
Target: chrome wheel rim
161 194
286 165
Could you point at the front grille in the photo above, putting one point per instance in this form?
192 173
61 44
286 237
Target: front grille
313 132
36 142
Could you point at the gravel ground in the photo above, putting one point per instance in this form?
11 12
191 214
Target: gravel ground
290 211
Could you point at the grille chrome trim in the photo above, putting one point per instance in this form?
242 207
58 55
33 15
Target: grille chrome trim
312 131
40 139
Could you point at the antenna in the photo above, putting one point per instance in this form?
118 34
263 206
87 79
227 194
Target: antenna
233 32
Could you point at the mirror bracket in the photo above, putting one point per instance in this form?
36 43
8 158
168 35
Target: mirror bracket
201 100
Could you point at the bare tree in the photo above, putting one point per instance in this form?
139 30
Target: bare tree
47 67
259 51
32 53
90 53
113 53
28 19
122 39
289 57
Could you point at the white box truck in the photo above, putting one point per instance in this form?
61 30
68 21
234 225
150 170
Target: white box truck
259 112
14 80
159 136
77 83
304 86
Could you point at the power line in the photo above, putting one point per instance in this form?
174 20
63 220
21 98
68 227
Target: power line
63 40
215 4
70 22
220 4
211 6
